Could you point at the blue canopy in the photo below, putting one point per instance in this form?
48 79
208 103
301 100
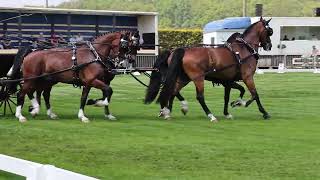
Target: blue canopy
228 23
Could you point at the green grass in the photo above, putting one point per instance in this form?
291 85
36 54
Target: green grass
142 146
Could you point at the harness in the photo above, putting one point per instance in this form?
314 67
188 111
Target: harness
75 68
238 60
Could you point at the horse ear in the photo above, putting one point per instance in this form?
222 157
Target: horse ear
267 22
261 19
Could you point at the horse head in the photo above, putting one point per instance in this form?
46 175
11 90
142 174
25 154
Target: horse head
134 45
265 32
114 45
259 34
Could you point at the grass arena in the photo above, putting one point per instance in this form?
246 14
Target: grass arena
139 145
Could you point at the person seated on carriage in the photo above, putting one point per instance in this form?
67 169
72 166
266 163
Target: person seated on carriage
79 38
6 42
42 42
33 42
61 40
54 40
72 40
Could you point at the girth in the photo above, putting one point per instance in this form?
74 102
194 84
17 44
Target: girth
236 55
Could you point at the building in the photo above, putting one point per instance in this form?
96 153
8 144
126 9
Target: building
293 36
22 24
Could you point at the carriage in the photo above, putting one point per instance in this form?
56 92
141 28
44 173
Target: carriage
7 98
23 24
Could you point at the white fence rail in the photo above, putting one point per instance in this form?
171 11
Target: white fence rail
36 171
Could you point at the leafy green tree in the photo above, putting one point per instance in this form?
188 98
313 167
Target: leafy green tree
196 13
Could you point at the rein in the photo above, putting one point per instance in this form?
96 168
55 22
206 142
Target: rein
240 61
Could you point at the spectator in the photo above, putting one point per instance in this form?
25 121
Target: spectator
293 38
33 41
42 42
61 40
79 38
315 51
314 37
54 40
73 40
285 38
5 41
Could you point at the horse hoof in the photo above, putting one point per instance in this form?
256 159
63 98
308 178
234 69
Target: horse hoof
101 103
212 118
160 114
85 119
184 111
30 109
229 116
167 117
110 117
53 116
266 116
33 114
22 119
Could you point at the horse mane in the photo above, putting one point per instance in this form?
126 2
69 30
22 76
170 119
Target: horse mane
249 28
233 37
98 37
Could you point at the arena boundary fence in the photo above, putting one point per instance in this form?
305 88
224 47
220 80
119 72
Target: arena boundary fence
37 171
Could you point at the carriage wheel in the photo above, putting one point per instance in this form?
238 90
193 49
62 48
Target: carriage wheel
7 100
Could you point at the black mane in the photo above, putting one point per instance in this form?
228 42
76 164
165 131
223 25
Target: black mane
249 28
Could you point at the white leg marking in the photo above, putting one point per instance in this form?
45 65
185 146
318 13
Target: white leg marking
51 114
36 107
82 117
110 117
10 71
229 116
212 118
242 102
160 113
166 113
19 115
100 103
184 107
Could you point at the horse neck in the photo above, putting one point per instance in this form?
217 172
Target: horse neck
252 38
103 45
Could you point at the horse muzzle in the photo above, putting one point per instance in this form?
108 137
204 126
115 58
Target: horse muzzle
267 47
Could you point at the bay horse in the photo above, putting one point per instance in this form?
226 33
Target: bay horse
129 50
158 76
91 70
238 61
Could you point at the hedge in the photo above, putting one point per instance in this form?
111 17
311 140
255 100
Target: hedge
173 38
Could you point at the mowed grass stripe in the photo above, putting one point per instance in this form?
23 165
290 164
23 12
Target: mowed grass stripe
142 146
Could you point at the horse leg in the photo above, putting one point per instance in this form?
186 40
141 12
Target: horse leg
27 88
254 96
107 91
200 97
227 89
84 96
183 103
165 110
35 103
46 97
239 101
107 113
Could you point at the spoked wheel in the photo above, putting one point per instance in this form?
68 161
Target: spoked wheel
7 100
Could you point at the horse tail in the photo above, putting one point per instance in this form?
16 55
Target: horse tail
174 70
161 65
16 67
14 72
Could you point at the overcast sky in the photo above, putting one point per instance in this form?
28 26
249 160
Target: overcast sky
22 3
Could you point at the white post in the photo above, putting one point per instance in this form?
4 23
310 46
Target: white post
36 171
